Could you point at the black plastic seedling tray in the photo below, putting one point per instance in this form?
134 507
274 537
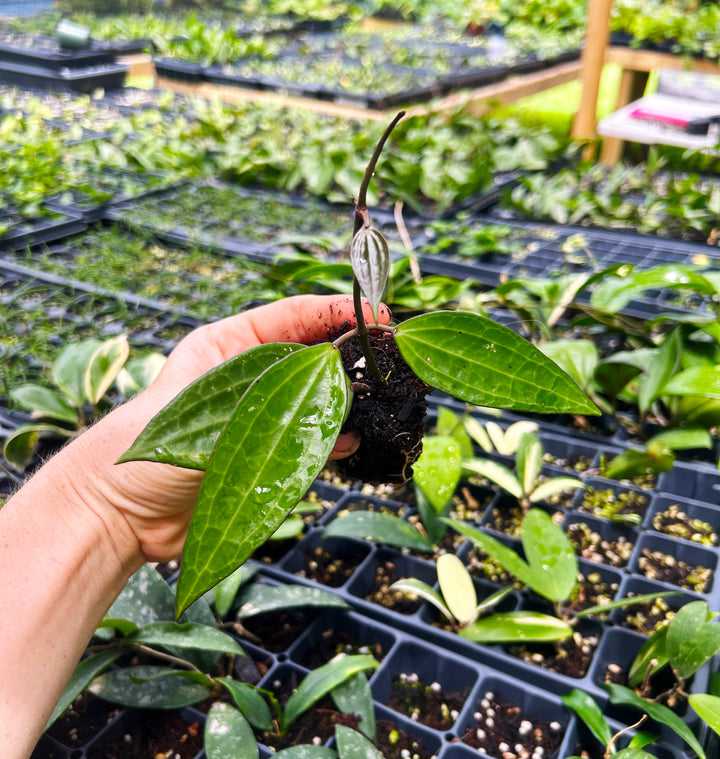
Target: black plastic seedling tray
60 59
42 230
86 79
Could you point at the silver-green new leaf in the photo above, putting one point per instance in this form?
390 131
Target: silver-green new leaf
266 457
482 362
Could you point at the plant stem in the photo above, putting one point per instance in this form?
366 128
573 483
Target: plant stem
362 219
363 335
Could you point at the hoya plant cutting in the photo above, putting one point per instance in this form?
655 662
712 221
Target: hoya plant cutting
263 424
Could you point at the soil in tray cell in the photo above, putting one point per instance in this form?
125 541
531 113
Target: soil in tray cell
674 521
589 544
424 702
656 565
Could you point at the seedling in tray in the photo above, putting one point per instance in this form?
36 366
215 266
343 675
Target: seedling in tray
263 424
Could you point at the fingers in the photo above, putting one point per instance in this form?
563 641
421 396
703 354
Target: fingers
299 319
346 444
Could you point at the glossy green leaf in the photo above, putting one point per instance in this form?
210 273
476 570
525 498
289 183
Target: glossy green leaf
354 745
148 687
225 591
266 457
578 358
438 469
185 431
250 702
550 555
683 438
261 599
20 445
84 673
497 473
43 402
528 461
620 695
698 380
353 696
632 463
322 680
422 590
633 753
517 627
587 708
614 293
652 654
663 365
553 486
452 424
190 635
104 366
138 373
457 588
378 526
621 603
146 598
228 735
482 362
68 369
496 550
691 639
493 599
708 709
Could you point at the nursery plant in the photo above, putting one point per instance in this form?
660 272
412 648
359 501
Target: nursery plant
263 424
82 373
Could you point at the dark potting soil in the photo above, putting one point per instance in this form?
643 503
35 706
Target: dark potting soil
656 565
675 522
324 567
389 416
646 617
333 642
503 730
157 733
569 657
380 593
276 631
85 717
424 702
590 545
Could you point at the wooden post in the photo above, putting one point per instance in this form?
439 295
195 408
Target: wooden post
597 36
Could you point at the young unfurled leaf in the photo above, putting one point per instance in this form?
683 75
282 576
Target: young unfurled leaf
456 586
422 590
485 363
498 473
68 369
20 445
104 366
528 461
507 441
250 702
370 260
266 457
353 696
438 469
354 745
452 424
185 431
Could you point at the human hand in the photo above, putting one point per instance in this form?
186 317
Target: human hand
155 501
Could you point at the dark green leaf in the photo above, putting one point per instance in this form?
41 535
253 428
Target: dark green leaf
482 362
260 599
354 745
586 707
189 635
355 697
228 735
691 639
267 456
663 365
145 598
306 751
250 702
623 602
226 590
322 680
383 528
578 358
84 673
186 430
148 687
621 695
632 463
